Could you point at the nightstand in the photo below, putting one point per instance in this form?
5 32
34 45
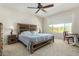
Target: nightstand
12 39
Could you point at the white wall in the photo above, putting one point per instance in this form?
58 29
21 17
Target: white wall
63 17
11 17
75 18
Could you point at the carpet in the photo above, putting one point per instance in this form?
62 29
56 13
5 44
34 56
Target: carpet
58 48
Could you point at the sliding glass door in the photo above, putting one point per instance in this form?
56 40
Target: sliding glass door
60 28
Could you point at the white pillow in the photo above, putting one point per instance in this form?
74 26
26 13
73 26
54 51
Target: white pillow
34 32
26 33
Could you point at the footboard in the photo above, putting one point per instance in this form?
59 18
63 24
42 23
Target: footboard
34 47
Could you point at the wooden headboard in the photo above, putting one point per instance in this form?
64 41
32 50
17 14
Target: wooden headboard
25 27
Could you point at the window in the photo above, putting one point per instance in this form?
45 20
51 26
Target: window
68 27
50 28
60 28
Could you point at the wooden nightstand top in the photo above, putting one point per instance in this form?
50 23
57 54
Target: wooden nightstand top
11 35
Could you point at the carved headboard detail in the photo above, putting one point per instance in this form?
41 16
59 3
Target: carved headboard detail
25 27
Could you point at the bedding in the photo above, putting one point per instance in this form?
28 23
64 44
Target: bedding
27 37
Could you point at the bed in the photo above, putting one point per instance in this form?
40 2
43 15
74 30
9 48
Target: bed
30 38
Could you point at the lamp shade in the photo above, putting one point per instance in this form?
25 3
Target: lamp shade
11 27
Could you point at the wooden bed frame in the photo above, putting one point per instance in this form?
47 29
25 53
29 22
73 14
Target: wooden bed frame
30 27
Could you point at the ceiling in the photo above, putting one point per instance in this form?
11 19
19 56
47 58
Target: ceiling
22 7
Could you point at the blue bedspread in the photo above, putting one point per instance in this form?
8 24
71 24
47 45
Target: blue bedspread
35 38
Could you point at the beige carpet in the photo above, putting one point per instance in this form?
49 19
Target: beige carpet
59 48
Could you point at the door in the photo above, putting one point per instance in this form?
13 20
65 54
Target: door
1 43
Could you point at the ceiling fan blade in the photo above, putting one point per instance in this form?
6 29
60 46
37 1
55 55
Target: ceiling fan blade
37 11
48 6
33 7
43 9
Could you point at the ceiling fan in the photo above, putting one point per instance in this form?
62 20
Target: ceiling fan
41 7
